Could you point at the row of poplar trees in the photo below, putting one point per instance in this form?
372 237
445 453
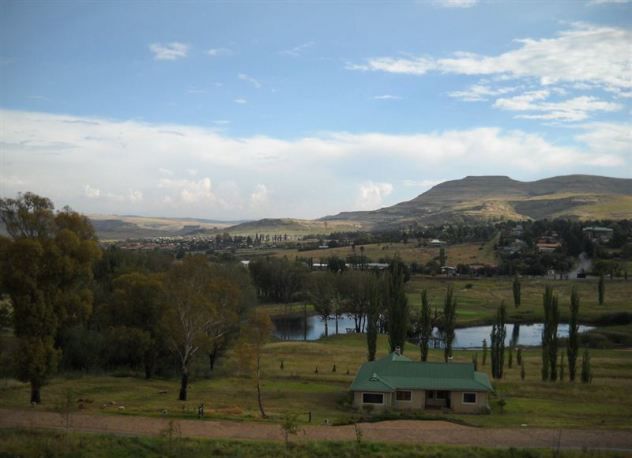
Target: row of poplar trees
550 340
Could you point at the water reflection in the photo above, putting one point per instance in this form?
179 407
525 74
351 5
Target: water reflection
313 328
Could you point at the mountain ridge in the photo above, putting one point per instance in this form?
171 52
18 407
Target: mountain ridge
497 197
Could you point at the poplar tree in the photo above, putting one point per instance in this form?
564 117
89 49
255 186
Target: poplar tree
371 319
586 369
499 332
601 289
449 321
425 327
396 305
516 291
572 348
549 335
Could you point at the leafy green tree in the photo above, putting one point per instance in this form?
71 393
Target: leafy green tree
516 291
425 325
572 344
396 306
443 259
499 332
484 351
449 321
195 304
46 269
137 304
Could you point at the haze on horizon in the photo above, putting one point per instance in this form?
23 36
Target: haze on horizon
246 110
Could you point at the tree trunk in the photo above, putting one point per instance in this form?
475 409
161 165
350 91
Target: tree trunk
259 401
35 393
336 324
184 382
326 328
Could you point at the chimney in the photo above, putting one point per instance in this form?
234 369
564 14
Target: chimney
398 350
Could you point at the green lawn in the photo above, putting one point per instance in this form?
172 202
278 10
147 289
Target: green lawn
36 443
297 388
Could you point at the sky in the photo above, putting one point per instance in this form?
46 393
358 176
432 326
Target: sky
251 109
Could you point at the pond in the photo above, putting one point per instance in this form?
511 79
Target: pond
292 328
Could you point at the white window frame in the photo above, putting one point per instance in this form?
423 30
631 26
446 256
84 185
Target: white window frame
404 391
373 403
475 398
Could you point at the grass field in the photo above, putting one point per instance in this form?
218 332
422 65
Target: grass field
298 389
478 299
464 253
36 443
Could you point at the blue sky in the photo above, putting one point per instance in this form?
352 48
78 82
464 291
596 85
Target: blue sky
250 109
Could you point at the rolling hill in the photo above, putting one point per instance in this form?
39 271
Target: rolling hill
485 198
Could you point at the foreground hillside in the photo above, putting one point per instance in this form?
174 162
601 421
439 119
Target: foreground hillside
484 198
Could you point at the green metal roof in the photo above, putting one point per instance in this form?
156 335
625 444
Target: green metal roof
396 372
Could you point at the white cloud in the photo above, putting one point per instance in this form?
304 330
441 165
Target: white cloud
217 52
169 51
371 195
189 191
315 175
425 184
608 138
387 97
297 51
90 192
259 196
240 101
455 3
480 92
249 79
597 55
575 109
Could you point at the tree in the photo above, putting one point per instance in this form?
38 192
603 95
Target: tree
449 321
516 291
498 335
572 345
250 348
137 303
443 259
46 269
586 375
196 304
396 306
549 335
425 325
322 293
601 289
372 317
484 351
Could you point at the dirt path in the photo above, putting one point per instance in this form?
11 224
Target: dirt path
430 432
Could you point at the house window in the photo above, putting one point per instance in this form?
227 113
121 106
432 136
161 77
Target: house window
403 395
372 398
469 398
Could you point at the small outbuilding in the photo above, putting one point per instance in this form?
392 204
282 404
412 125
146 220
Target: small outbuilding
397 382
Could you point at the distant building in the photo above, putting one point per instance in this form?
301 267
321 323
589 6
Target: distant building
437 243
598 233
544 247
396 382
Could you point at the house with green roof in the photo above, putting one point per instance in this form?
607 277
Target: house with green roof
397 382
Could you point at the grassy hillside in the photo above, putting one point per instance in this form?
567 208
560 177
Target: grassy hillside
484 198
